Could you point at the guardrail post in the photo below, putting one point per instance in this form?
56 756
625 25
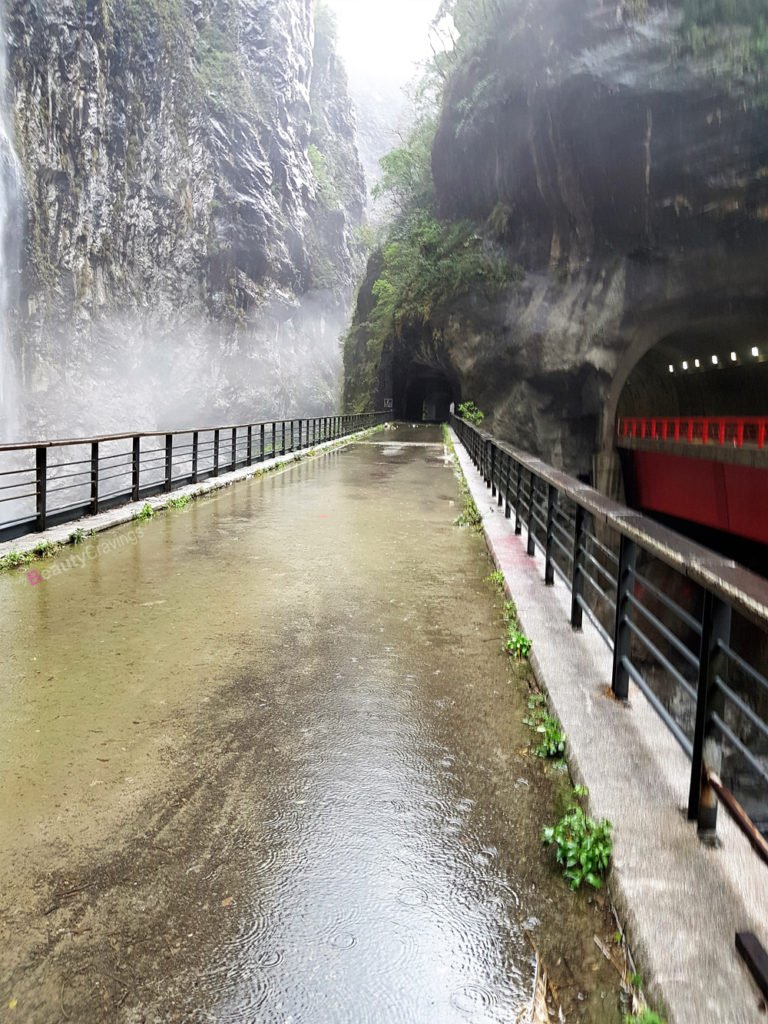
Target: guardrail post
234 449
282 445
549 571
577 580
216 453
250 445
41 487
195 455
94 477
518 496
707 748
508 479
622 633
168 463
531 549
262 433
136 466
492 483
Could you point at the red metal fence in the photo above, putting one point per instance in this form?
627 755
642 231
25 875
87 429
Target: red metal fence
728 431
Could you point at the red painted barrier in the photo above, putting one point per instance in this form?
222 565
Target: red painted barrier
721 495
728 431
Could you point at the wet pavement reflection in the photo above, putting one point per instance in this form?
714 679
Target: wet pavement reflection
268 764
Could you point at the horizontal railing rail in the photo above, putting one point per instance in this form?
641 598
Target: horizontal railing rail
687 626
49 483
728 431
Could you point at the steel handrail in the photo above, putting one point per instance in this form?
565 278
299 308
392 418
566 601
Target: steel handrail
147 471
518 480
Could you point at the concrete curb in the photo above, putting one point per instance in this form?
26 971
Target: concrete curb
60 535
681 902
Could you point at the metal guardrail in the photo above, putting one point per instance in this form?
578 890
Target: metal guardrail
730 431
48 483
685 624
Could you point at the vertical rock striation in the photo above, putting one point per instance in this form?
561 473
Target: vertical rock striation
183 259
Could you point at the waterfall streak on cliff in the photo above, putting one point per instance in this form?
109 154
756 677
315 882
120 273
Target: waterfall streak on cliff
10 196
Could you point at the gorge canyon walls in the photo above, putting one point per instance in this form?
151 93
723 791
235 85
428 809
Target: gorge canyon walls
192 201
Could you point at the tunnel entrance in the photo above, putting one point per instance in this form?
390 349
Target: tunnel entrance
688 435
426 395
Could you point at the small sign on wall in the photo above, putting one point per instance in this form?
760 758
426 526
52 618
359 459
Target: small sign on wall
389 404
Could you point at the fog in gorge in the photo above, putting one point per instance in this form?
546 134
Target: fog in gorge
383 55
191 208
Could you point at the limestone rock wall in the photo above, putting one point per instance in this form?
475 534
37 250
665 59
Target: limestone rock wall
180 261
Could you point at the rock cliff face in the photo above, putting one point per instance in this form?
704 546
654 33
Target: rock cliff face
629 182
193 193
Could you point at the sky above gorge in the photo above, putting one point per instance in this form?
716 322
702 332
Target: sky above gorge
384 42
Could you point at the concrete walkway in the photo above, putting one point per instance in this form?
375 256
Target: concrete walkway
266 763
682 901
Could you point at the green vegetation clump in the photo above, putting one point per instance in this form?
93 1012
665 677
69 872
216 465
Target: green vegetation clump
181 502
583 846
15 559
469 412
144 513
326 187
496 579
552 744
471 515
77 537
645 1017
516 642
44 549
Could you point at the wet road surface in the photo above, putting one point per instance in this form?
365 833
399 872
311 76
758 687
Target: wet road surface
266 763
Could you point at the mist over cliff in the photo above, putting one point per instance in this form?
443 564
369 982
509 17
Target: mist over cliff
193 197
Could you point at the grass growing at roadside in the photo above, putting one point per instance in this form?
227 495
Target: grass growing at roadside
516 642
552 743
583 846
471 515
15 559
144 513
646 1017
182 501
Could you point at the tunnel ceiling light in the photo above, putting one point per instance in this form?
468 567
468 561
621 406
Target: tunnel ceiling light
734 357
685 366
755 351
715 360
671 368
697 363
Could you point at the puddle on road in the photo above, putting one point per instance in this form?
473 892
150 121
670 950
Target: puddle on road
267 764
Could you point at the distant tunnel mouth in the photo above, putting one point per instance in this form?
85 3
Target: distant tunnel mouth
426 396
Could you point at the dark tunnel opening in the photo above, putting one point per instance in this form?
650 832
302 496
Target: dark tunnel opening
425 395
